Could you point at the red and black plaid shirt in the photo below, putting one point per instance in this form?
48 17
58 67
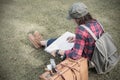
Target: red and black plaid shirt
84 42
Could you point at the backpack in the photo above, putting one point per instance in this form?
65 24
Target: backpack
105 55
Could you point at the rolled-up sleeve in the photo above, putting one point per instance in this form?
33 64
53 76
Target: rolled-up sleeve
77 50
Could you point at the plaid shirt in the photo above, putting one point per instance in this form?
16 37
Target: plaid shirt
84 43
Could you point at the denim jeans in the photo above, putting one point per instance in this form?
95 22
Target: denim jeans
50 41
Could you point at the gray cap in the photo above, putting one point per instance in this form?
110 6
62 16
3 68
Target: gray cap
77 10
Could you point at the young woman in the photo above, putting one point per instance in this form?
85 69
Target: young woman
83 42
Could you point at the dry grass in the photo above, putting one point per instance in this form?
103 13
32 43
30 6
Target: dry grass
19 60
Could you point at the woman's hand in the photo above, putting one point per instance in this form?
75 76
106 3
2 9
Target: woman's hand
53 53
61 52
71 39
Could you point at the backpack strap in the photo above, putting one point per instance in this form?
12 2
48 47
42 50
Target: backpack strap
91 33
101 26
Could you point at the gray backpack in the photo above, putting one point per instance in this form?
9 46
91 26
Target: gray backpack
105 55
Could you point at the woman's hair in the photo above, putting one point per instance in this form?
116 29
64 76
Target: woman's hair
84 19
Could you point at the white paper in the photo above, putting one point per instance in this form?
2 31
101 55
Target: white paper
61 43
49 67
